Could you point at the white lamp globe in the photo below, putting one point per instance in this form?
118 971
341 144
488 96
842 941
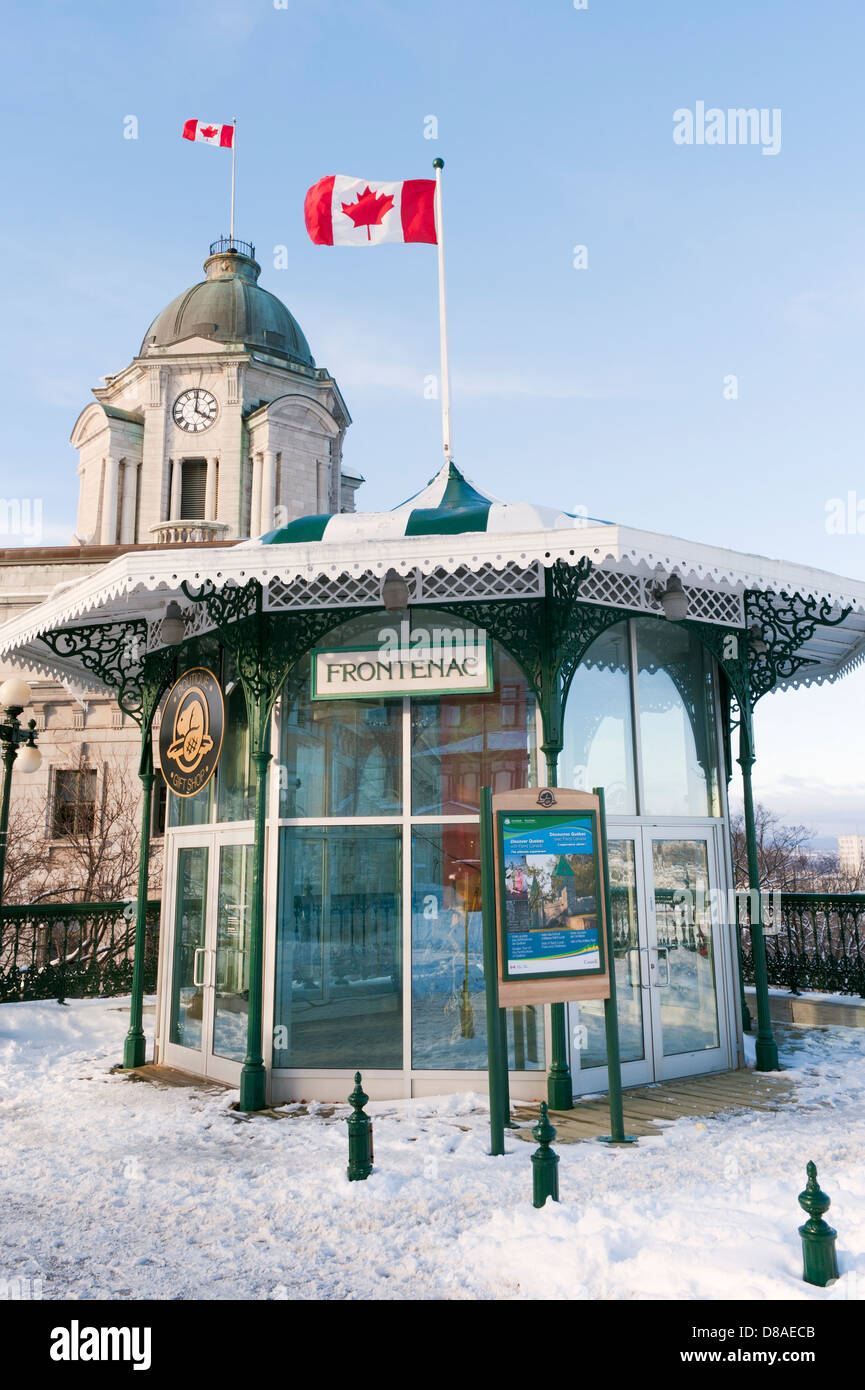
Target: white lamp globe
29 759
14 693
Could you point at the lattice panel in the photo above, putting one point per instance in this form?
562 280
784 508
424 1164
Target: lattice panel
514 581
617 590
613 589
716 606
346 591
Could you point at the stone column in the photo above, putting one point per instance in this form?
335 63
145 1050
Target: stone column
268 492
255 502
210 492
109 502
130 491
176 482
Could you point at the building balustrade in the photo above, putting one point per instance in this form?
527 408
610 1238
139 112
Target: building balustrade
186 532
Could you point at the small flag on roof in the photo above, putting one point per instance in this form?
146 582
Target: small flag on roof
209 133
342 211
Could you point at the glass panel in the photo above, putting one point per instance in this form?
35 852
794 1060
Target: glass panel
190 919
598 735
590 1041
461 743
231 1001
689 1005
235 792
339 960
677 730
448 1001
191 810
339 757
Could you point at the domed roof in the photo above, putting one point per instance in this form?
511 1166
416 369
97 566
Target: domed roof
230 307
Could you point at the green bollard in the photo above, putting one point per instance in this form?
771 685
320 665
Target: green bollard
545 1163
359 1135
818 1239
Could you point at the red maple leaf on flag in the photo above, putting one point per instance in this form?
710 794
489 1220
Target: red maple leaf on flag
208 131
368 209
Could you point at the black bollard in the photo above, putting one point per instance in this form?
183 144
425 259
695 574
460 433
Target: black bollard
818 1239
359 1135
545 1163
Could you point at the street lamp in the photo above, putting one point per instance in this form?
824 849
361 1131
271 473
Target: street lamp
16 743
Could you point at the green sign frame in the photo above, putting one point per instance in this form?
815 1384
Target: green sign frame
399 691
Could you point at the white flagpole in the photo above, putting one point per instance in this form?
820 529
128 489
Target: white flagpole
438 165
233 150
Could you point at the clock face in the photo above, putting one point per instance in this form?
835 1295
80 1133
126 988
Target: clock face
195 410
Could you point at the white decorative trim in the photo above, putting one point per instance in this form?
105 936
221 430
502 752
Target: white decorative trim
477 564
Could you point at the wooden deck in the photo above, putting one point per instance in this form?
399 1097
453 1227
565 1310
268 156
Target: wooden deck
648 1108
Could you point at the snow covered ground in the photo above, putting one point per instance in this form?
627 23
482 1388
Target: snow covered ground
116 1189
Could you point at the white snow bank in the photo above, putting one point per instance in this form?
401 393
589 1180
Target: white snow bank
115 1189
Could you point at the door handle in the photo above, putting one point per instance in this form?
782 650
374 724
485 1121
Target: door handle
665 983
199 951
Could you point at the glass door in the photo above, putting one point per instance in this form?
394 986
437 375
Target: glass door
683 960
670 959
587 1035
208 995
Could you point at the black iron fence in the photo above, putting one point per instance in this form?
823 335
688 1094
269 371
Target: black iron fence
73 950
68 950
816 943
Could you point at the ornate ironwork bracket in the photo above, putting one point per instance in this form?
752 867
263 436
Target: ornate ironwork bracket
264 646
547 637
113 652
767 650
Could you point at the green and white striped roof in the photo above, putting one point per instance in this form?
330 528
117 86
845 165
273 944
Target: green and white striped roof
449 505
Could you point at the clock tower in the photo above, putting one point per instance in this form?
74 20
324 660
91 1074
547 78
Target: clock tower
222 427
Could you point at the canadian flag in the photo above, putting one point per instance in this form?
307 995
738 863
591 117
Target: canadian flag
342 211
209 133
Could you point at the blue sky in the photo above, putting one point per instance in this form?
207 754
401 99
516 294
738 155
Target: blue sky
601 387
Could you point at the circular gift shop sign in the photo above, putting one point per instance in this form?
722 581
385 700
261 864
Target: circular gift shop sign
190 737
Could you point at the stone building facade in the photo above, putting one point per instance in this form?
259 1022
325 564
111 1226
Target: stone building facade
222 427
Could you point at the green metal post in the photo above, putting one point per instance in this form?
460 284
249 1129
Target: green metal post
560 1086
9 754
494 1013
253 1077
134 1046
746 1012
545 1163
820 1261
767 1048
617 1133
359 1135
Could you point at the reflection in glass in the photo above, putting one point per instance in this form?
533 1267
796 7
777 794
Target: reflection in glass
231 1001
339 962
191 810
448 1001
689 1005
235 792
598 735
339 757
677 730
461 743
187 998
626 950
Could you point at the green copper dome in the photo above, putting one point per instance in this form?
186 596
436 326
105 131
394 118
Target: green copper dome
230 306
